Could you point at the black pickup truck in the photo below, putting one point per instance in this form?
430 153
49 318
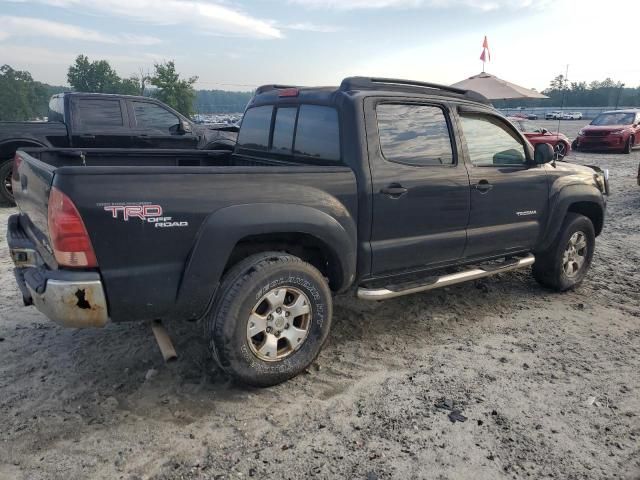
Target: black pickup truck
379 187
91 120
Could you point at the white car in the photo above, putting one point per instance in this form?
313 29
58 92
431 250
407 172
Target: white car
553 115
571 116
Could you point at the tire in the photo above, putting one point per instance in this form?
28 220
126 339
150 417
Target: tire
560 150
553 269
628 146
574 145
270 288
6 194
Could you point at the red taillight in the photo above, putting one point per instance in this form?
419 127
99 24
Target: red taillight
288 92
69 238
17 160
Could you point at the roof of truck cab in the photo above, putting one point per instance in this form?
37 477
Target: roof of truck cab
354 86
102 95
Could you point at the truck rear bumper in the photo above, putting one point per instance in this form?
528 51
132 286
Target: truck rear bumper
71 299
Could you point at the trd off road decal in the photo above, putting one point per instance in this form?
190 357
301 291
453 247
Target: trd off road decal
145 212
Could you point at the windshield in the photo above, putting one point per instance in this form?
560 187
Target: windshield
614 119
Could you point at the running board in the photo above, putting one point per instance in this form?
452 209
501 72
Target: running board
444 281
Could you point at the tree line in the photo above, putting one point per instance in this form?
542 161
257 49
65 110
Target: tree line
23 98
606 93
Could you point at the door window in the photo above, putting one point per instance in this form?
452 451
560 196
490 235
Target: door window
491 143
93 112
414 135
150 116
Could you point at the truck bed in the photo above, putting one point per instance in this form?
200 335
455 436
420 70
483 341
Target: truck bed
205 198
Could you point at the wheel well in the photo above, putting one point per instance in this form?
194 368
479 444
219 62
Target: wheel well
307 247
8 150
590 210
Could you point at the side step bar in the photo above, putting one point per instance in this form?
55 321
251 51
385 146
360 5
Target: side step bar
444 281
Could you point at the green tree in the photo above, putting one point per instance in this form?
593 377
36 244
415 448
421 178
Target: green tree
98 77
171 89
21 98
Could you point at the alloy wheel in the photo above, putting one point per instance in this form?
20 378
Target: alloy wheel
279 324
575 254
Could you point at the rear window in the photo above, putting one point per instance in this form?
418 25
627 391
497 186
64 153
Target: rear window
254 131
99 113
305 131
283 129
56 109
317 134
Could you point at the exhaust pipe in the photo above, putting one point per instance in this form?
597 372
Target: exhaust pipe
164 342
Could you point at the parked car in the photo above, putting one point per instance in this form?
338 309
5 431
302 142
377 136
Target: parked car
536 134
615 130
555 115
89 120
571 116
532 116
378 187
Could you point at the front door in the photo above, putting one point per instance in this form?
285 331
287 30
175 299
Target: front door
420 189
509 194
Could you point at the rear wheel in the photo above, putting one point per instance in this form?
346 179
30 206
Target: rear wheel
6 190
272 316
565 264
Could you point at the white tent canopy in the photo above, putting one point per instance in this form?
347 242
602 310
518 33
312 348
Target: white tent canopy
495 88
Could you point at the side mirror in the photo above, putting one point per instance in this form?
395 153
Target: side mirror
543 153
185 127
544 131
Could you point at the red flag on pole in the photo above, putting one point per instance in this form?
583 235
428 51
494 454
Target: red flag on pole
486 53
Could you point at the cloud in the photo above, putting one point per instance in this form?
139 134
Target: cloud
36 27
312 27
203 15
483 5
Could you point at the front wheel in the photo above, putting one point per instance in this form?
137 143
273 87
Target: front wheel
628 146
565 264
6 190
559 151
272 316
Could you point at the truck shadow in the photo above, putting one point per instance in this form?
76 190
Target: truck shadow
119 370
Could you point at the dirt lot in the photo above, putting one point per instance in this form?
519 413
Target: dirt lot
549 384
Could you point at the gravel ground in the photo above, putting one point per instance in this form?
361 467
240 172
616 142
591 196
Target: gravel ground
549 384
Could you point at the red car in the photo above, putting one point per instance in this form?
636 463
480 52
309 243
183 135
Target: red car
535 134
616 130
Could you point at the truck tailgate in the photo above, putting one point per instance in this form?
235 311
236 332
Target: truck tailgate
32 181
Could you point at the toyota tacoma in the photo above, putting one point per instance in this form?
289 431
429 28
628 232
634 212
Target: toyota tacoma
379 187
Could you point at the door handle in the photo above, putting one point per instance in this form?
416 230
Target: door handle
483 186
395 190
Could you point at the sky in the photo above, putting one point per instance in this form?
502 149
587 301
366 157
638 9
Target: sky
238 45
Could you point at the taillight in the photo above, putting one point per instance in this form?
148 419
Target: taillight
288 92
69 239
17 160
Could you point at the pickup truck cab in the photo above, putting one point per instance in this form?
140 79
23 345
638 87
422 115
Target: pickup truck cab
378 187
93 120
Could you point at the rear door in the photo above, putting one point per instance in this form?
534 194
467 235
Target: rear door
509 194
100 122
420 188
157 127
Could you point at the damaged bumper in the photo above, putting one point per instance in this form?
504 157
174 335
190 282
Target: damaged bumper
71 299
